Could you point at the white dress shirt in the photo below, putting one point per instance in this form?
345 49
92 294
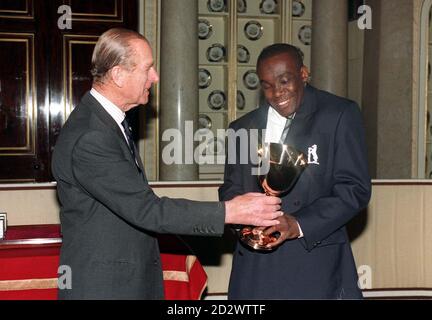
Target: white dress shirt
115 112
275 126
274 129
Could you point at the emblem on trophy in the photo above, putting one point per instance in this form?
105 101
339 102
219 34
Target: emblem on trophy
280 167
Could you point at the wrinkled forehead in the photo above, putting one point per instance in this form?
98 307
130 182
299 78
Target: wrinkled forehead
142 51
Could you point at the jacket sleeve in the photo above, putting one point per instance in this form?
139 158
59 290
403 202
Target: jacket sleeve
105 174
351 187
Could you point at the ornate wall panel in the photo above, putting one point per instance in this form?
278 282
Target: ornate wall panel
17 94
231 36
77 77
44 71
97 10
16 9
19 123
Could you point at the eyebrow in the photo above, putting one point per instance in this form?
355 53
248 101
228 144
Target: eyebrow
287 73
149 64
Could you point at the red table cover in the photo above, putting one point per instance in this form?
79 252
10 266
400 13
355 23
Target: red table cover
29 271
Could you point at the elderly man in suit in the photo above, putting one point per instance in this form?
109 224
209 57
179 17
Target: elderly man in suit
312 257
109 214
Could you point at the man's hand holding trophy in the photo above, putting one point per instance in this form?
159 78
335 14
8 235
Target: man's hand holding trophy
279 169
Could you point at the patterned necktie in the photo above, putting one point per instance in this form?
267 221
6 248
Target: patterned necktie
130 141
286 128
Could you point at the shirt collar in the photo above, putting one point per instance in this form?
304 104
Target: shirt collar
275 117
115 112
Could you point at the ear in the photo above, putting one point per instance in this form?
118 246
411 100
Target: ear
304 72
118 76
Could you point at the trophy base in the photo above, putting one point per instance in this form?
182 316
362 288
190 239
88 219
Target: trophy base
254 238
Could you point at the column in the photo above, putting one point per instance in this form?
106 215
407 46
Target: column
178 88
389 77
329 46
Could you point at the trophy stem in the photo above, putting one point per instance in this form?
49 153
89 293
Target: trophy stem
281 166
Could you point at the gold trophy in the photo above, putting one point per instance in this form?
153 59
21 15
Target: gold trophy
280 167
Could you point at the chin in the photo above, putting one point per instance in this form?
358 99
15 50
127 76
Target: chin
131 106
288 111
144 100
140 102
285 112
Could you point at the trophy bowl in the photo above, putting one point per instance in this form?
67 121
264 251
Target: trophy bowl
280 167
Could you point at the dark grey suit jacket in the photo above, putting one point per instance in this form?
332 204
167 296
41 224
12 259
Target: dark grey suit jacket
109 214
331 191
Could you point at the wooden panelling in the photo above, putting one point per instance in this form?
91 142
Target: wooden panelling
22 72
97 10
16 9
77 77
17 94
395 237
44 71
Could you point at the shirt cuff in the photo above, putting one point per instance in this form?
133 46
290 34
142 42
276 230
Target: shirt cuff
301 232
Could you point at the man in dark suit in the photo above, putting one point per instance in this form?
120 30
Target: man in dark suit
312 258
109 214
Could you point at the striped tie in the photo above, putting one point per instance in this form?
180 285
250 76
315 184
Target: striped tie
286 128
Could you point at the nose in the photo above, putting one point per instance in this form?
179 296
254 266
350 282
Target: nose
154 77
277 92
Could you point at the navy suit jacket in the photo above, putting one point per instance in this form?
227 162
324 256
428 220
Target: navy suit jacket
334 187
109 213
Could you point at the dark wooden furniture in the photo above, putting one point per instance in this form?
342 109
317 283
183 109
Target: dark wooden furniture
44 71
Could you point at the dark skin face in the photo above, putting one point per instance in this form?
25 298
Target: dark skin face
282 82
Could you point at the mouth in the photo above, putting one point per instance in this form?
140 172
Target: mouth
283 103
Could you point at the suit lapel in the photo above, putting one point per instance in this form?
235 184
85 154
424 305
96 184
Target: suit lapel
101 113
260 121
105 117
300 124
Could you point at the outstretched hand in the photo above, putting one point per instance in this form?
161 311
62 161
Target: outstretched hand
252 208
